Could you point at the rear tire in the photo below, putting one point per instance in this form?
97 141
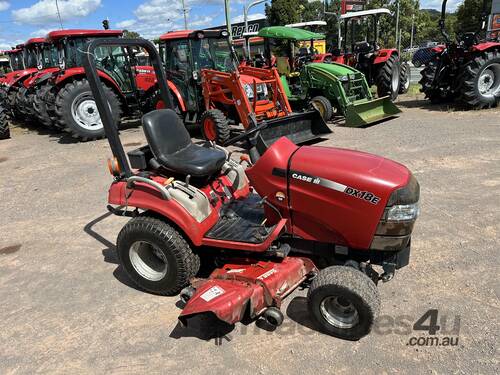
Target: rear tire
77 112
156 256
479 81
4 123
387 79
404 78
215 126
343 302
324 107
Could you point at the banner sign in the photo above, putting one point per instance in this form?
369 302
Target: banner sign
239 28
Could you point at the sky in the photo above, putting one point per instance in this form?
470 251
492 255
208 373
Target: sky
23 19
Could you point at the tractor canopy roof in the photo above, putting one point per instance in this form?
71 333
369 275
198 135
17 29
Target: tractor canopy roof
34 41
365 13
9 51
75 33
194 34
289 33
306 24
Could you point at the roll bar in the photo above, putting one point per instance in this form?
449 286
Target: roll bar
441 22
90 67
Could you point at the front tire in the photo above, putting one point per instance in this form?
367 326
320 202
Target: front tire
215 126
77 111
429 88
387 79
324 107
479 81
156 256
343 302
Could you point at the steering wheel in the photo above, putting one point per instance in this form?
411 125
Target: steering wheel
249 134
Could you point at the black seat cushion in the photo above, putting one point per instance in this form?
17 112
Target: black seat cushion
172 147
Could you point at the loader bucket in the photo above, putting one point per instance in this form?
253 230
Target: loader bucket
298 127
364 112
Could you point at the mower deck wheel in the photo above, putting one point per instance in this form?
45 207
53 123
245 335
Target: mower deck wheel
215 126
343 302
4 124
155 256
324 107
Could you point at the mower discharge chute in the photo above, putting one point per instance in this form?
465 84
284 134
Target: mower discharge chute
348 208
329 86
213 91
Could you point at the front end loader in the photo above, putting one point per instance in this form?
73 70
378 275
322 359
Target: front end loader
330 87
212 91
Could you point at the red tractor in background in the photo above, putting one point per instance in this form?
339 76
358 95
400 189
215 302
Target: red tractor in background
63 97
212 90
25 58
381 66
466 70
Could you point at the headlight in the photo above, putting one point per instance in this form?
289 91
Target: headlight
403 212
248 90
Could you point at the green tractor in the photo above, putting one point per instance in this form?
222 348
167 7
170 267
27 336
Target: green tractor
331 87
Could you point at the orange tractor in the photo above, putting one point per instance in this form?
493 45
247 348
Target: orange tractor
213 91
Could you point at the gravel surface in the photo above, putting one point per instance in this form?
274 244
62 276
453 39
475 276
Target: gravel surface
66 306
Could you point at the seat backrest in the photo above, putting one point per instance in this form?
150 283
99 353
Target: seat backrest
283 65
165 132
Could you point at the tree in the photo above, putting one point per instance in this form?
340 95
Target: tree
282 12
130 34
469 15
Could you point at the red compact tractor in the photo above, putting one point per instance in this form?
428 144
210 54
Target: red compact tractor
213 90
264 227
466 70
62 95
381 66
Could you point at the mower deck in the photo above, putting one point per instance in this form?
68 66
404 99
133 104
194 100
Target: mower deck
241 221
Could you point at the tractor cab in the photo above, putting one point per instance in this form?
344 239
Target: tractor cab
213 90
16 60
185 53
32 53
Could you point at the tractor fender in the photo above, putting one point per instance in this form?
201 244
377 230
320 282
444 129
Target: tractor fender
320 57
384 54
486 46
40 77
72 73
19 76
147 198
178 95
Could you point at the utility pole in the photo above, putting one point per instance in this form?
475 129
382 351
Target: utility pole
227 9
397 24
412 29
184 10
59 15
246 9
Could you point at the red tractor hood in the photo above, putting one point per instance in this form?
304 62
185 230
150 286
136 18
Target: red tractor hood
331 194
32 80
246 79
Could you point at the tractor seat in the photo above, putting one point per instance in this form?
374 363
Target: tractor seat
173 149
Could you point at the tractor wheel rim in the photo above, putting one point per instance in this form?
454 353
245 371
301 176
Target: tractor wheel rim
209 129
339 312
320 107
395 80
148 261
489 81
85 113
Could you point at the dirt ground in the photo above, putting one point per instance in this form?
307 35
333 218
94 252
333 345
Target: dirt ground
66 306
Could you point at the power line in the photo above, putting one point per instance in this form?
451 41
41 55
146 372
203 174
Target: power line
59 15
